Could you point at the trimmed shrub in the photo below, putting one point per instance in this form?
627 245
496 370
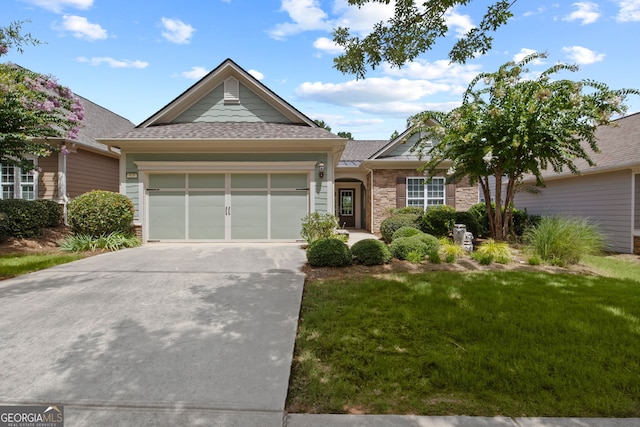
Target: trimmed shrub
370 252
99 213
479 212
403 246
439 220
4 226
54 212
394 222
405 231
433 244
25 218
329 253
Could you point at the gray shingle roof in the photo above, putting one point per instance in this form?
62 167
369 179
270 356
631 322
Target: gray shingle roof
359 150
100 123
227 130
619 147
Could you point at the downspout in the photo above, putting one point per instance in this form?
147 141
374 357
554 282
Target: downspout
371 197
62 182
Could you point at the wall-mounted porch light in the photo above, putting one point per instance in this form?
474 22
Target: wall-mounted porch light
321 169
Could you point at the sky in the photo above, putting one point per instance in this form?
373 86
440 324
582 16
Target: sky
133 57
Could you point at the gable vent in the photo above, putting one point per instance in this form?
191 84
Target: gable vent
231 91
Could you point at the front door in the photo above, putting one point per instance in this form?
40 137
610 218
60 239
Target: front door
347 208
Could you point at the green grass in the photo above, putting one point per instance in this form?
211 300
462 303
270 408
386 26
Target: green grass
490 343
613 267
15 265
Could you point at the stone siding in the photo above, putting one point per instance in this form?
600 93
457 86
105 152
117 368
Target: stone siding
636 245
466 195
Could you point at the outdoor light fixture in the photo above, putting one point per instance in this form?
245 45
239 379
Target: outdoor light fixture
321 169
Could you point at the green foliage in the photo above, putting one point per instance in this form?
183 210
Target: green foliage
434 257
4 227
54 212
491 250
413 30
405 231
394 222
432 242
562 240
450 251
329 252
415 257
510 124
534 260
12 265
318 226
470 220
439 220
110 242
25 218
100 213
370 252
401 247
479 212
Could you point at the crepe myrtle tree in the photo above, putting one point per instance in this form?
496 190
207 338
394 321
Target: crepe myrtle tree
414 29
510 124
35 110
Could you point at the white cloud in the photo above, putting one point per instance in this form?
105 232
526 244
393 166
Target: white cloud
195 73
327 45
256 74
587 13
538 11
306 15
524 52
58 5
582 55
81 28
461 24
113 63
177 31
437 70
360 20
629 11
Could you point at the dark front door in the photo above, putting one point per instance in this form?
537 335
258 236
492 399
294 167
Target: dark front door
347 207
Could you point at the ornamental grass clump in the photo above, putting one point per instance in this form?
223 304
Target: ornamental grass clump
561 241
492 251
450 251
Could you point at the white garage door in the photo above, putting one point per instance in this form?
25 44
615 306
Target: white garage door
226 206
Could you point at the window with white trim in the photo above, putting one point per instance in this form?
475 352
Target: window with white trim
424 192
17 184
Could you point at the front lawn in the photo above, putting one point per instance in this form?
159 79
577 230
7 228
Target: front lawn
12 265
484 343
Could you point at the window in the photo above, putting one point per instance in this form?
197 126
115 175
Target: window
17 184
425 192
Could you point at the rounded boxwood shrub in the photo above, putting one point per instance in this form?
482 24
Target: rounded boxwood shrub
394 222
439 220
432 242
4 226
98 213
370 252
406 231
479 212
403 246
329 252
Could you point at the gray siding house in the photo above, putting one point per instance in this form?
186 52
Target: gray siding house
607 193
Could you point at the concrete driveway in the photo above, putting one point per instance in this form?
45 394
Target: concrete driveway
165 334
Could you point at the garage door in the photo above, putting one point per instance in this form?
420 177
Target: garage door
238 206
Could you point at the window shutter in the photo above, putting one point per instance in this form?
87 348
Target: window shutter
231 91
401 192
450 190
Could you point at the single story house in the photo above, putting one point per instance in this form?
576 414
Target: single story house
607 193
84 164
230 160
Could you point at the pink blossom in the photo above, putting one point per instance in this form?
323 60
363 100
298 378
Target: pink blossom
73 133
64 149
3 49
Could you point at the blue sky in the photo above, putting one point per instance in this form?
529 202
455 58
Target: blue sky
133 57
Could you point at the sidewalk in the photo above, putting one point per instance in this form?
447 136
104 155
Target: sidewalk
313 420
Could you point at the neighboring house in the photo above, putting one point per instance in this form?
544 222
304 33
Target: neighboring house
607 194
229 160
84 164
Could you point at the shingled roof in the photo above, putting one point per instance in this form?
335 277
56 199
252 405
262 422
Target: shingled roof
227 130
356 151
99 123
619 148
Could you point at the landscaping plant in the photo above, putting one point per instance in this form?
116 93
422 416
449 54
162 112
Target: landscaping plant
490 251
329 252
370 252
100 213
317 226
560 240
